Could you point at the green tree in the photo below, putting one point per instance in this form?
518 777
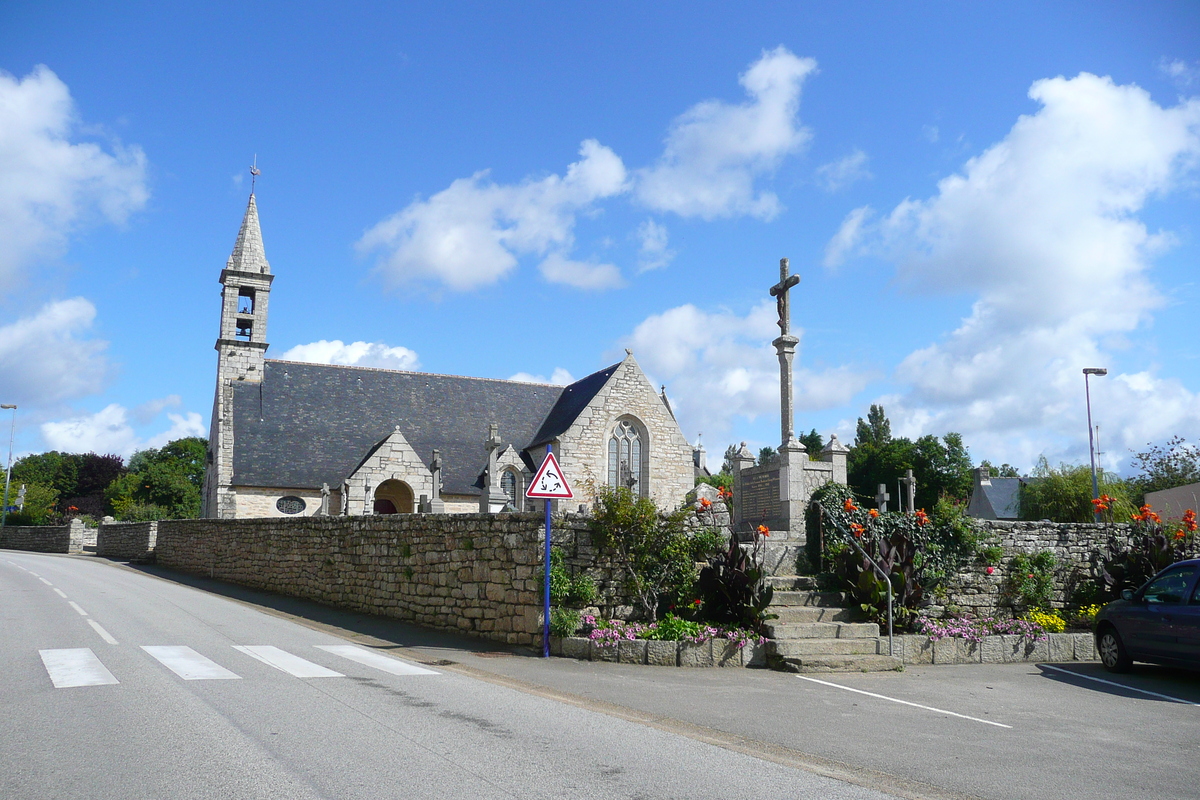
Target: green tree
1064 494
39 507
941 467
730 456
1002 471
161 484
877 430
767 455
813 443
1176 463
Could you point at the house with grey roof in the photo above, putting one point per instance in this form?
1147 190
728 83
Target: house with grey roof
994 498
292 438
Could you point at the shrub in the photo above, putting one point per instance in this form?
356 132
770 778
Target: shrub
1050 621
1031 579
564 621
733 586
1064 494
1153 546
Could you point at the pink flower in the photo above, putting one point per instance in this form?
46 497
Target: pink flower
990 570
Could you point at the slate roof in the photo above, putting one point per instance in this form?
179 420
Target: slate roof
1002 495
308 424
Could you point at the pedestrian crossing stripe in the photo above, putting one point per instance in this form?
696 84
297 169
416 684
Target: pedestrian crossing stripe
286 662
73 667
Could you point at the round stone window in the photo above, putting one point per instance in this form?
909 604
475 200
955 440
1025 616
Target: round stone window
291 504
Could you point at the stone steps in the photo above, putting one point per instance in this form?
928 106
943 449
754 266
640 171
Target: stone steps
816 632
793 614
836 663
823 630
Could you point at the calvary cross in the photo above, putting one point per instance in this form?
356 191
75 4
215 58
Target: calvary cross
785 346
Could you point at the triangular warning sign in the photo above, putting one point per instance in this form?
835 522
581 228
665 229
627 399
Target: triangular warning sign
550 483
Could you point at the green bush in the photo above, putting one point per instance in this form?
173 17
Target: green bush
672 629
1031 579
1064 494
564 621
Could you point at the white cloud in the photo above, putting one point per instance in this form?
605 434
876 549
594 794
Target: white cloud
47 358
470 234
1042 229
716 151
109 431
557 268
653 253
839 174
147 411
356 354
560 377
50 186
719 365
1179 71
848 238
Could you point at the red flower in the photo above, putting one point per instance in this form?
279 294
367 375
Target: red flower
857 529
990 570
762 529
849 505
922 517
874 512
1179 534
1189 521
705 502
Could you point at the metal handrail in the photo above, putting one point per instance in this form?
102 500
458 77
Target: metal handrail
887 581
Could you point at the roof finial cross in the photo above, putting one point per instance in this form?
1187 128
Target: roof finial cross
254 172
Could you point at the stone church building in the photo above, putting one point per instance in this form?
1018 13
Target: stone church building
291 438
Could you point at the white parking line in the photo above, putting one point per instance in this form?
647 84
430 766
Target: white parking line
189 665
904 702
285 661
60 593
379 661
43 580
105 635
1122 685
75 667
75 606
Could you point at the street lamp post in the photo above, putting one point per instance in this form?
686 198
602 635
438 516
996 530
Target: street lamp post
1087 393
8 475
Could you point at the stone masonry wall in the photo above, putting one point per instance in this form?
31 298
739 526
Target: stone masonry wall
132 541
44 538
479 574
1075 547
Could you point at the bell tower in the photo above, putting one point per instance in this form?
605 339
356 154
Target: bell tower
246 282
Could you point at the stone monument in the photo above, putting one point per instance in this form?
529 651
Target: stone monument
775 495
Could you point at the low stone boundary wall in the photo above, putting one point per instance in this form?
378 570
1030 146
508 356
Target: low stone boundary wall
1058 647
132 541
909 648
713 653
44 538
478 574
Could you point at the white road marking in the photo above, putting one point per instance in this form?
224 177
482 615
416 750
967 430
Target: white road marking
189 665
43 580
1122 685
376 660
105 635
75 606
283 660
75 667
60 593
903 702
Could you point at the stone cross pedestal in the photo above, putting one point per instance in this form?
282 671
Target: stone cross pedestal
910 490
881 498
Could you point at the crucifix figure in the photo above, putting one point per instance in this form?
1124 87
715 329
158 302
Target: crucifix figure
785 346
780 292
882 497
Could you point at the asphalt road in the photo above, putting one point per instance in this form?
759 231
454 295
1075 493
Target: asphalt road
159 702
499 722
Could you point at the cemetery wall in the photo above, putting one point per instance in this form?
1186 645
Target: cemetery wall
1075 546
44 538
131 541
478 574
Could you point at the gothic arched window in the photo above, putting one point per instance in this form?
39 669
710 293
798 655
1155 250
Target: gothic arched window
625 457
510 484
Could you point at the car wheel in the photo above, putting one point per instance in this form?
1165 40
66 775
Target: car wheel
1112 650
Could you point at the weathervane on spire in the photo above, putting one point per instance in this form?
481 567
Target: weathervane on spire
254 173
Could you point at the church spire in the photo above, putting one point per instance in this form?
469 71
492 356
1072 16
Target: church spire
248 254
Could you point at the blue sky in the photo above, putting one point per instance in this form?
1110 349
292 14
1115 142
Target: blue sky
981 199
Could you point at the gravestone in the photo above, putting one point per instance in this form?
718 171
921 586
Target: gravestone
776 495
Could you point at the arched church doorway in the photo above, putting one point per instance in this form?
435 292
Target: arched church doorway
393 497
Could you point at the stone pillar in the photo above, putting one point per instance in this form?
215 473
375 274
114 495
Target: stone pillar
742 460
785 346
835 453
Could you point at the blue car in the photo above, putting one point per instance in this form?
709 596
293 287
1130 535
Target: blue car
1160 622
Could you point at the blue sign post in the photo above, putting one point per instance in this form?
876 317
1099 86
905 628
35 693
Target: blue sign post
548 484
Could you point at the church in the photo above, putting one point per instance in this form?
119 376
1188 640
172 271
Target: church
292 438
